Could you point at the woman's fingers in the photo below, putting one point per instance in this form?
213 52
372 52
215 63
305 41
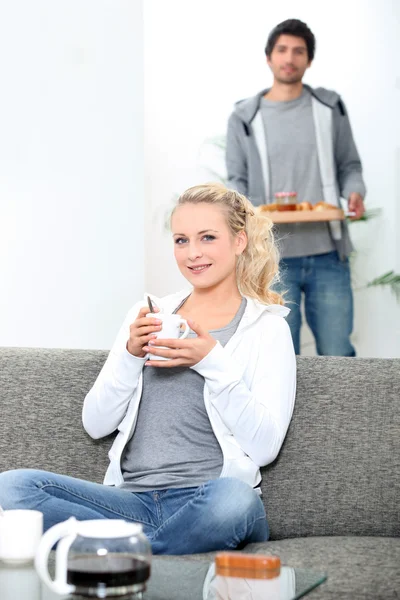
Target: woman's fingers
147 338
166 364
173 343
145 321
145 311
142 331
197 328
165 352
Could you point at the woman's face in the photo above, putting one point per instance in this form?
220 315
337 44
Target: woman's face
205 250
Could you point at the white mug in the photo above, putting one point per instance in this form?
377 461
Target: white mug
171 329
20 533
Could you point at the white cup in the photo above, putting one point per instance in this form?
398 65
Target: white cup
171 329
20 533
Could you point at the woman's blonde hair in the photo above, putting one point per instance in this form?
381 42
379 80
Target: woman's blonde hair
257 267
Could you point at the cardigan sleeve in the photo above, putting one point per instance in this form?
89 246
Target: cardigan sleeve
258 416
107 402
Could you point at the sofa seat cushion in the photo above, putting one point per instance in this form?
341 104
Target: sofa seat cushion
357 567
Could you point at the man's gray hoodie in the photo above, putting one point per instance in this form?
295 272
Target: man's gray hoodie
243 158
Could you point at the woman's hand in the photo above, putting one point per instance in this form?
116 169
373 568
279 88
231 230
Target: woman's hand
182 353
142 330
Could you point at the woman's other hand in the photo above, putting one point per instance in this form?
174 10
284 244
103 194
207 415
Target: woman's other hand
142 330
182 353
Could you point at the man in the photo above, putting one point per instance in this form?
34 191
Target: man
293 137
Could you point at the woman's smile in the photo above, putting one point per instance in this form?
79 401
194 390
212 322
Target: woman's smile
197 269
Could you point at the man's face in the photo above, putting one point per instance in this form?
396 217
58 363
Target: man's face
289 59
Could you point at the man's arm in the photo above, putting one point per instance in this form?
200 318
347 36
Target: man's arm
236 163
348 163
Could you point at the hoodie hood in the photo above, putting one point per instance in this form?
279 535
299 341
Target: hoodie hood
247 109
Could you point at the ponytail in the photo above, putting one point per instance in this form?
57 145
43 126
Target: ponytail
257 267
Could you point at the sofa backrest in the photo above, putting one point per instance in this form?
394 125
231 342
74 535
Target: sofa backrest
41 396
338 472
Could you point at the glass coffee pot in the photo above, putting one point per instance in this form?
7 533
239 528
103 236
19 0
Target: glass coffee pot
95 559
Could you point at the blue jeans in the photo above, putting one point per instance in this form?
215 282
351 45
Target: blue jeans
221 514
324 280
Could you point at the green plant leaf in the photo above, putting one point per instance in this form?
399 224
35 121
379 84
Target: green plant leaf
219 141
369 214
390 279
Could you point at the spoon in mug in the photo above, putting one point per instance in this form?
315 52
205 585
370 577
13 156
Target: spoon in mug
149 302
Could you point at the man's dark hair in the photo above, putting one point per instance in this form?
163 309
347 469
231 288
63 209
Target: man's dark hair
292 27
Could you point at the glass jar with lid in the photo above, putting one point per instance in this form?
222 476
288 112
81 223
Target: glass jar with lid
286 200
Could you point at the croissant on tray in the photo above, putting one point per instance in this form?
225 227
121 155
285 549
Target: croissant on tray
304 206
323 206
268 207
300 206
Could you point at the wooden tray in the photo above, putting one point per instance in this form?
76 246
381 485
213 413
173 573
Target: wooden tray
305 216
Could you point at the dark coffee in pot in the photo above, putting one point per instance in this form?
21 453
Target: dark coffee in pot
121 573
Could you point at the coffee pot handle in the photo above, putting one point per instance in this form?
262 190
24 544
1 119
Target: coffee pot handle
64 533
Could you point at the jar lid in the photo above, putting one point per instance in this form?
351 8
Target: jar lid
256 566
282 194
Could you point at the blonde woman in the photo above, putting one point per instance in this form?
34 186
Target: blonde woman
193 430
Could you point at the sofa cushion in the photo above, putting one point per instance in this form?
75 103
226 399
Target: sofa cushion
338 472
41 398
357 567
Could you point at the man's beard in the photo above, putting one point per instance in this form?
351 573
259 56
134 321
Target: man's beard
295 78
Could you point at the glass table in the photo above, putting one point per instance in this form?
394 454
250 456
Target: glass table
176 579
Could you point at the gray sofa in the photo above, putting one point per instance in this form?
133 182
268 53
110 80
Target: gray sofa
332 496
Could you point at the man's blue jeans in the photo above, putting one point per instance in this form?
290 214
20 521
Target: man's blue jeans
221 514
324 280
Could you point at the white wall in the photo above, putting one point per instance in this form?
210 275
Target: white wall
71 147
71 170
202 57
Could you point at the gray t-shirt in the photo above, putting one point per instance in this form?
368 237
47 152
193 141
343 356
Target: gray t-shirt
293 167
173 445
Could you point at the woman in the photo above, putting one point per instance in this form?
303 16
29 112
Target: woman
193 430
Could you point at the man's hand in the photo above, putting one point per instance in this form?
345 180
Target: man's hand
182 353
356 205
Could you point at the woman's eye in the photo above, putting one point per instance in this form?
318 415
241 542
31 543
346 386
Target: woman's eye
208 238
180 240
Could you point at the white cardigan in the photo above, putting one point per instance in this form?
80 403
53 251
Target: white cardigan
249 391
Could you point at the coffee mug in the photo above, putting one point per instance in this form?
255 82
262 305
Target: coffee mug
171 329
20 533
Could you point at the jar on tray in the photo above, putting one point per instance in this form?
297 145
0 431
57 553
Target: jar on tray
286 200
